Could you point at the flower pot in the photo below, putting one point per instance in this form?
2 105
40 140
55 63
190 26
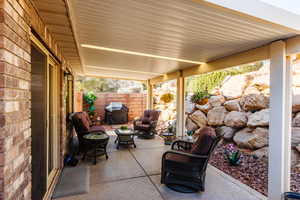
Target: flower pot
203 101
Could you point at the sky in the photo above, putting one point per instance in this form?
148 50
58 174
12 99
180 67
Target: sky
290 5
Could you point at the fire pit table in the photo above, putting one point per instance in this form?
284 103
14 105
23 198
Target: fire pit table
95 145
125 137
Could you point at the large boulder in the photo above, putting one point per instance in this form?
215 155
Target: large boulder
253 102
296 103
260 118
296 120
226 132
251 90
199 118
190 125
233 105
233 87
216 116
215 101
236 119
295 136
261 153
204 108
251 138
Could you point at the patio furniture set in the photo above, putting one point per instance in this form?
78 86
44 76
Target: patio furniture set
183 167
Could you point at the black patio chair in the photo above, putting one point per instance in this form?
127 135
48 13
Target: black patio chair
184 167
291 196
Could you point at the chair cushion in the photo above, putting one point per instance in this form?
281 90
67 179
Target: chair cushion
204 142
97 129
85 122
146 120
86 115
177 158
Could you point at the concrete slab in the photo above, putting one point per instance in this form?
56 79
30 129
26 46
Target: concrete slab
150 159
120 165
149 143
217 188
130 189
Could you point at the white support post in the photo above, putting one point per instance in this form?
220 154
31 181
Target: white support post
149 95
280 122
180 107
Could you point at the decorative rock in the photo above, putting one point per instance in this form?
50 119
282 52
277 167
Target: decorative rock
232 105
190 125
260 153
298 148
216 116
295 136
216 101
251 139
296 103
295 157
233 87
260 118
253 102
226 132
251 90
236 119
296 120
199 118
204 108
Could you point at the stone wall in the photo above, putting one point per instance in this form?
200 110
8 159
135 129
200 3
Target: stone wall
136 102
240 111
17 18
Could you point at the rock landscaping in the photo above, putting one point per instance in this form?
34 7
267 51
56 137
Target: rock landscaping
241 117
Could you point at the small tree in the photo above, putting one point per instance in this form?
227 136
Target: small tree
90 99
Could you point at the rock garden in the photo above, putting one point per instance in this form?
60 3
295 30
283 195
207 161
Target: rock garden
242 119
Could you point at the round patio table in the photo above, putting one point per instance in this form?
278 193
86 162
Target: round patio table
96 144
125 137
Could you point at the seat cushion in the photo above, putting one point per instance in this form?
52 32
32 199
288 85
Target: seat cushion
202 146
177 158
86 116
146 120
143 127
97 129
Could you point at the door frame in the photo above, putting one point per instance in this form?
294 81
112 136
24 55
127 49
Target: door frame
52 178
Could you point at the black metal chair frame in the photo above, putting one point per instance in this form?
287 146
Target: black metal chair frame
198 161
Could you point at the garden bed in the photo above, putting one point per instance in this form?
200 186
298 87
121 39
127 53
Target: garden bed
252 172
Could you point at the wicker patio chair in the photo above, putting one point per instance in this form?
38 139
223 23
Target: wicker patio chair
184 167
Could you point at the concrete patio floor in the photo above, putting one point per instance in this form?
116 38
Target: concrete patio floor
134 174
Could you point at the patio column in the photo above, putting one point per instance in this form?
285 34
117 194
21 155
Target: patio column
149 95
280 121
180 107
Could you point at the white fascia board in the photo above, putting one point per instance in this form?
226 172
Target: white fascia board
263 11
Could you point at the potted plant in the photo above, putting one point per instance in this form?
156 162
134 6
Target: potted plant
124 128
233 155
167 97
190 134
200 97
90 99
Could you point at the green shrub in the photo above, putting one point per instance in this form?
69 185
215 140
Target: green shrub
90 99
198 96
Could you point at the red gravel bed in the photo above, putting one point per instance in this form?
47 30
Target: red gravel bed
252 172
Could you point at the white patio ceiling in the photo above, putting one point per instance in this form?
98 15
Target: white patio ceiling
181 29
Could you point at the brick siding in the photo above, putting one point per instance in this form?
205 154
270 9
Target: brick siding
17 17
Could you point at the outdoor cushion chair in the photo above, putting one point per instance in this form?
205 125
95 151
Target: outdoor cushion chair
184 166
146 125
83 125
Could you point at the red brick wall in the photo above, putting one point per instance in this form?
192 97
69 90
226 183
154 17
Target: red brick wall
17 17
136 103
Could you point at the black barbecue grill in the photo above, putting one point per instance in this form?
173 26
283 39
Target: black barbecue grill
116 113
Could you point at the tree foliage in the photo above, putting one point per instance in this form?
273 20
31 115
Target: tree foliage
209 81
